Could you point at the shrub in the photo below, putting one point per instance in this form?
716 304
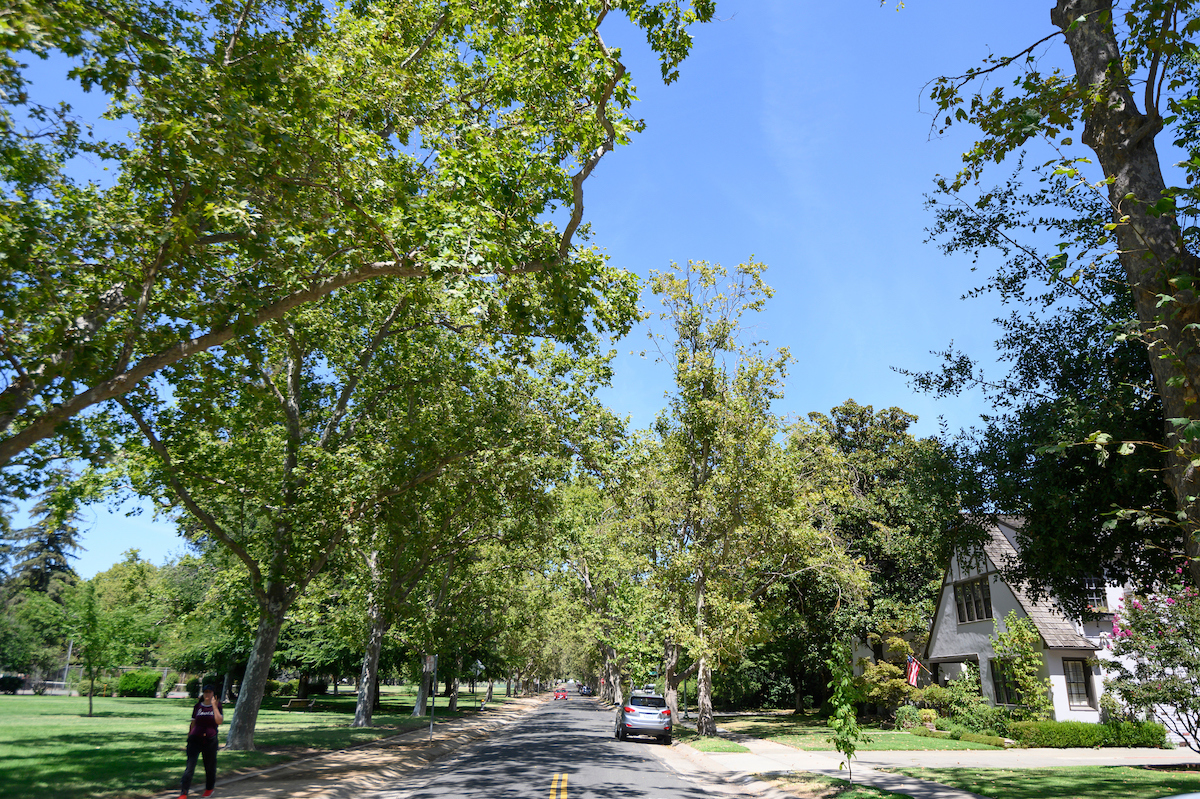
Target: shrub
1018 655
928 715
883 684
139 683
936 697
318 687
168 683
1070 734
907 716
289 688
960 734
10 685
925 732
193 688
271 688
1137 733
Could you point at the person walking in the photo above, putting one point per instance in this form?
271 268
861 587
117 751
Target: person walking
202 741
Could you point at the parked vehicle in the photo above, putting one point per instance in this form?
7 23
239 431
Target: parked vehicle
585 690
644 713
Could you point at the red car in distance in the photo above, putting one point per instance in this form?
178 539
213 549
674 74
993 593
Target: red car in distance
560 692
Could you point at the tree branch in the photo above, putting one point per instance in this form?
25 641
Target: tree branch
185 496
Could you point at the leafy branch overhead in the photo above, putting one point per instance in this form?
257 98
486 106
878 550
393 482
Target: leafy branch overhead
282 151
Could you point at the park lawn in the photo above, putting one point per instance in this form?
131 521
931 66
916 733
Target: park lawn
1067 782
50 749
811 734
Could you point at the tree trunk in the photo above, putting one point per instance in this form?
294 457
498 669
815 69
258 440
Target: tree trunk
368 680
508 686
453 704
612 692
227 683
427 688
1150 246
491 685
302 687
245 716
706 724
671 677
91 690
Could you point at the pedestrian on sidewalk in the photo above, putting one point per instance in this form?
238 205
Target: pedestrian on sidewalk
202 741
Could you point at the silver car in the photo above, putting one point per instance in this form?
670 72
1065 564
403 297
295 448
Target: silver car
644 713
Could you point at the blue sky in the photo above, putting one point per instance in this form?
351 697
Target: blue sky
799 133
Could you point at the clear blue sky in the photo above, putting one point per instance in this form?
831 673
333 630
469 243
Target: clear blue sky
796 133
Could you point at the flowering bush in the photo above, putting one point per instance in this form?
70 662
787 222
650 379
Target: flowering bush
1160 634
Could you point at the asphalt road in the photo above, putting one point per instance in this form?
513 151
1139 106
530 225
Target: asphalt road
560 750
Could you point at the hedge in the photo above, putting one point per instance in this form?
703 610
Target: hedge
960 735
1068 734
10 685
139 683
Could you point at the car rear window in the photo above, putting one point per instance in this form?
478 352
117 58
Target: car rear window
648 701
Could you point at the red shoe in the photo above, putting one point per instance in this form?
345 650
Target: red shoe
208 792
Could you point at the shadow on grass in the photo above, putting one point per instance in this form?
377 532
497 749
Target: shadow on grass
1092 782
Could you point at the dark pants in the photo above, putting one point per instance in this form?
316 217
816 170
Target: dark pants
207 747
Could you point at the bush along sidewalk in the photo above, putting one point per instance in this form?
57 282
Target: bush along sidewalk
960 734
1066 734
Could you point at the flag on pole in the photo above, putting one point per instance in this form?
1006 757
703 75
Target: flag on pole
910 671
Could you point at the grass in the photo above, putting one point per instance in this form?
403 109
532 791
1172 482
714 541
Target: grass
810 733
51 749
815 786
705 744
1068 782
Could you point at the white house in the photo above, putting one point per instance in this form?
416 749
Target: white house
972 605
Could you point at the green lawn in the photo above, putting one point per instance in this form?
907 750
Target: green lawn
704 744
50 749
810 733
1071 782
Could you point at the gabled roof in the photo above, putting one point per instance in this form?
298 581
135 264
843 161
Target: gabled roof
1056 629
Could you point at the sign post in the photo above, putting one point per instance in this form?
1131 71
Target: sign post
432 696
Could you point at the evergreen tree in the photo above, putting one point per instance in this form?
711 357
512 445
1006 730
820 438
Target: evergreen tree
41 553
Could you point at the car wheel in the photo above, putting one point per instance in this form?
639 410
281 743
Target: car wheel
621 736
665 739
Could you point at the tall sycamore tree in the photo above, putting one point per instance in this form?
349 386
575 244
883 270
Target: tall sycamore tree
735 514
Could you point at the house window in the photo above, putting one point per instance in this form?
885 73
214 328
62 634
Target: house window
1097 596
1079 682
1006 692
974 599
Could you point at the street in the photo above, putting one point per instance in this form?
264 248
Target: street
560 750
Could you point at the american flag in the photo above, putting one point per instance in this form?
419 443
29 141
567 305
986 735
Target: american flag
910 671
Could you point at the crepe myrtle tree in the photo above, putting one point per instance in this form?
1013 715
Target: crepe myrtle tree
1156 638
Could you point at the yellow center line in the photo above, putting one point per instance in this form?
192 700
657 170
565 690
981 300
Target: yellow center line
559 786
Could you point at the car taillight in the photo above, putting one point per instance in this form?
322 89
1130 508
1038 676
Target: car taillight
629 709
667 712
